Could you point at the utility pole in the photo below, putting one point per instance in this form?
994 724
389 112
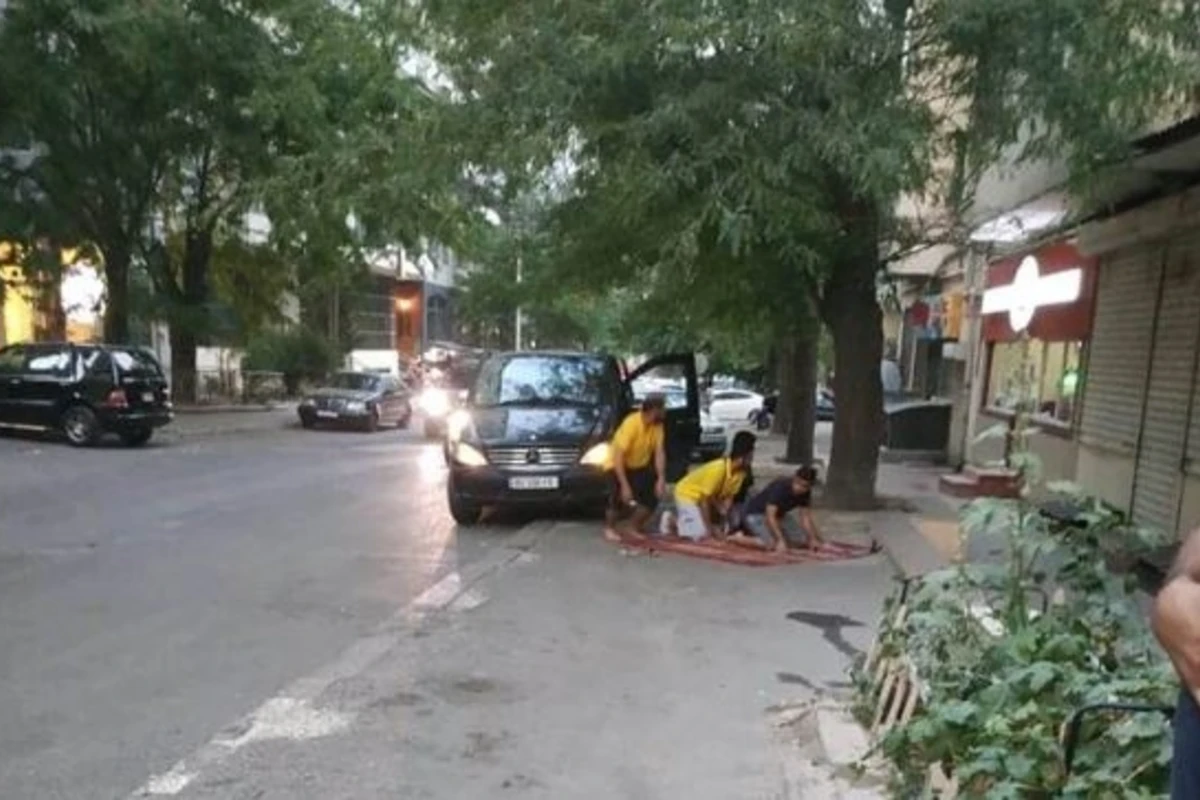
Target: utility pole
517 329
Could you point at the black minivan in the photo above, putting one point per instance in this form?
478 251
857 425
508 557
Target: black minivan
84 390
535 428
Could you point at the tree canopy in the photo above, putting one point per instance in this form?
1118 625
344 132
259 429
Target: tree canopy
160 133
744 161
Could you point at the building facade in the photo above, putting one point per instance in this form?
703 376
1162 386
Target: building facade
1097 329
409 304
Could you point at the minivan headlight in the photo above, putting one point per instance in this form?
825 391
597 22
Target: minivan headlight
469 456
596 456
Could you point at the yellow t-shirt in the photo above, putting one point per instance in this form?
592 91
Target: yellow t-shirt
637 441
716 480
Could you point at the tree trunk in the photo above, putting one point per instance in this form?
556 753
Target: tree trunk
785 380
850 308
184 380
116 300
803 399
190 318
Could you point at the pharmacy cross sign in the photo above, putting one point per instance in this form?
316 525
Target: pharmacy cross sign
1030 290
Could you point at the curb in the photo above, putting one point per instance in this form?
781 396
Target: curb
229 409
822 753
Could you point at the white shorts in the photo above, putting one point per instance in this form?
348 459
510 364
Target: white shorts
689 521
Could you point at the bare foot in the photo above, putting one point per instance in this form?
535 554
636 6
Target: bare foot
746 541
611 535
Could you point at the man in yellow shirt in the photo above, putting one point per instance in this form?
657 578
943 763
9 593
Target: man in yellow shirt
707 492
638 464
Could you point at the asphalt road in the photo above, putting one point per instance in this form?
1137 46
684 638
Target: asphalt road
148 597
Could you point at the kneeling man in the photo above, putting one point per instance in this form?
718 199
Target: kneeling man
769 520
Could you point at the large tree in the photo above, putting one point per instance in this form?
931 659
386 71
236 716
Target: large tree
85 136
156 132
726 146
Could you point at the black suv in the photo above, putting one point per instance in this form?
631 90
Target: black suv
84 390
536 425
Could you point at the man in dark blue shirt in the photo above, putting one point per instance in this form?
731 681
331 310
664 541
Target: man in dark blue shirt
1177 625
768 520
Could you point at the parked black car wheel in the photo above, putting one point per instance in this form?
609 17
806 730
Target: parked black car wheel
137 438
464 511
80 426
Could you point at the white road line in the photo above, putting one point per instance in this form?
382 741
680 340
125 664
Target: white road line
292 715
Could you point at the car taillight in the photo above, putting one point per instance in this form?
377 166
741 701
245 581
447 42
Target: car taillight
116 399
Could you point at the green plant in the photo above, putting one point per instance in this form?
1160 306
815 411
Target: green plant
998 686
1002 672
300 354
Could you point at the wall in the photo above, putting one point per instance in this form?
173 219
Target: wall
1058 454
1107 474
1189 520
373 360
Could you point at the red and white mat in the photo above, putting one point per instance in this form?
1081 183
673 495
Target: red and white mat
734 553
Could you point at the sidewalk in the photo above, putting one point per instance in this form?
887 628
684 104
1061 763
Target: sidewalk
566 671
208 421
917 525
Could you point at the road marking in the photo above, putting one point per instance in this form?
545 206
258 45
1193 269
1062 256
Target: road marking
292 715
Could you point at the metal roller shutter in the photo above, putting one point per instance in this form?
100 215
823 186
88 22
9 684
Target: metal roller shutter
1192 464
1160 462
1119 352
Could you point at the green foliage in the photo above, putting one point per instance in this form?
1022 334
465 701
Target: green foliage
1006 653
151 131
301 355
994 704
740 163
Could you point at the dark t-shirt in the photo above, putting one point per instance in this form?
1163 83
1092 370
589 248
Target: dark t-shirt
778 493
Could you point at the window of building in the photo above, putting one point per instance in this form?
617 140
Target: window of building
439 319
1045 377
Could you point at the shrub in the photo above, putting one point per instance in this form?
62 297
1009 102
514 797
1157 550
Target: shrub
995 700
299 354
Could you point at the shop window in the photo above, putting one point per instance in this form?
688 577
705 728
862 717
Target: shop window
1044 377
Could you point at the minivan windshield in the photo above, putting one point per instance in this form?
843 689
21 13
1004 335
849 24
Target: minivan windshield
543 380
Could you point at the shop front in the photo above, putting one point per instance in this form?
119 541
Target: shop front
1036 327
1140 425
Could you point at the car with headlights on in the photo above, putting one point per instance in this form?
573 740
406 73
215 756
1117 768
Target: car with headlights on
362 400
535 427
445 385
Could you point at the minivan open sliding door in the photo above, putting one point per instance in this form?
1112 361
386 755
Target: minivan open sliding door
683 423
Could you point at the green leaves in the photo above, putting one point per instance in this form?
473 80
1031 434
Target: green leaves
995 702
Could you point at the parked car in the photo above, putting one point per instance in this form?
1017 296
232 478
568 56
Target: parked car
734 406
363 400
714 437
84 391
535 429
826 411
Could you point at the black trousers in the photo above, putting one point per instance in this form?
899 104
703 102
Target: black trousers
1185 763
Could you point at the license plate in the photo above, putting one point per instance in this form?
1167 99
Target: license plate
327 414
147 397
533 483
